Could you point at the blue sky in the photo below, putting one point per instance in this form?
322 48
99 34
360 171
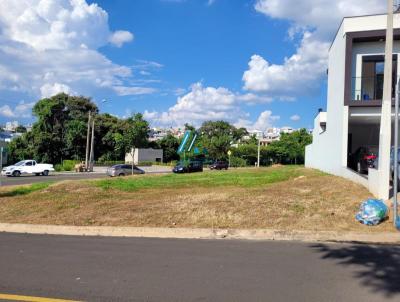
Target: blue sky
255 63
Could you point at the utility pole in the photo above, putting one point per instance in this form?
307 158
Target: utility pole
258 153
386 112
396 148
92 148
396 155
1 158
87 143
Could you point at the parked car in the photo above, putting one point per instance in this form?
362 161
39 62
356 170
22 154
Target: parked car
27 167
219 165
122 170
191 166
362 159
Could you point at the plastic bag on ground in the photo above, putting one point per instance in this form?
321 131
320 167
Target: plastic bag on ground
372 212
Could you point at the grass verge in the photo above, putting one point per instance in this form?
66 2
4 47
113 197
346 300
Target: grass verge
23 190
240 178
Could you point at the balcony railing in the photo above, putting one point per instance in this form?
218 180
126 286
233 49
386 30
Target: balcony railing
369 90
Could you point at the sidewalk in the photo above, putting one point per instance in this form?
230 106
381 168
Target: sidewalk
188 233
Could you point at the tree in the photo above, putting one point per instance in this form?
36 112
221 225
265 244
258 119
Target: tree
189 127
136 134
170 145
20 129
291 147
21 148
218 136
60 130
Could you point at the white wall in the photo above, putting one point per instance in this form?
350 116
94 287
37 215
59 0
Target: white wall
328 151
363 23
142 155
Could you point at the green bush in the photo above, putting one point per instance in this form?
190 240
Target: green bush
69 164
58 167
238 162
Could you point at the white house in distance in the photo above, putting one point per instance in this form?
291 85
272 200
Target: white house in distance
355 88
145 155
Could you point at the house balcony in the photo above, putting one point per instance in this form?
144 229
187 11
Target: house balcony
368 91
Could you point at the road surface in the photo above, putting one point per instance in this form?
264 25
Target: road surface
138 269
30 179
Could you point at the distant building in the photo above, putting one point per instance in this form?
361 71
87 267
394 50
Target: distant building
287 130
145 155
12 126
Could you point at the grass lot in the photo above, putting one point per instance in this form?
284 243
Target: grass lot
288 197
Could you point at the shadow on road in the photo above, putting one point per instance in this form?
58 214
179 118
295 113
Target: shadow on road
378 267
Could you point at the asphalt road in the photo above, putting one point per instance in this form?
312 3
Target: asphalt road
127 269
30 179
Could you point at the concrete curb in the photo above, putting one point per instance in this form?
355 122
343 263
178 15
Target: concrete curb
187 233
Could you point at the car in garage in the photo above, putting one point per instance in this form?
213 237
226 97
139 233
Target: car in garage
188 167
363 158
123 170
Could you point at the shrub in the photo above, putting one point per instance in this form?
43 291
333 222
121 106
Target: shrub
69 164
238 162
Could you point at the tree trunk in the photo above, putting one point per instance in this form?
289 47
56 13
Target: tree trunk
133 157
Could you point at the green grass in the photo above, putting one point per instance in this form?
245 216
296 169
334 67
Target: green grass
242 178
26 189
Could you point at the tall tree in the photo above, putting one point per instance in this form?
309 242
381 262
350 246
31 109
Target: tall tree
170 145
136 134
218 136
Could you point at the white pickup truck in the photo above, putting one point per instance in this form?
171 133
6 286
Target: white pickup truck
27 167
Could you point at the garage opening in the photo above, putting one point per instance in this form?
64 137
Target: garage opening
363 144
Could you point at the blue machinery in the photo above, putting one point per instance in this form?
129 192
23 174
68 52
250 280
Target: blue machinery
189 146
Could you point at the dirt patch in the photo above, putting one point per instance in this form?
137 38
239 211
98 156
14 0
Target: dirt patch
311 201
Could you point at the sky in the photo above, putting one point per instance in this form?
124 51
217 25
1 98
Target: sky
253 63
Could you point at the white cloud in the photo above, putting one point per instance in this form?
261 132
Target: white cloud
264 121
295 118
22 110
322 15
316 21
58 24
120 37
179 91
298 74
126 90
6 111
198 105
48 90
209 103
49 46
251 98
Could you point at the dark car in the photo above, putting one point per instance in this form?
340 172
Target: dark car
122 170
192 166
362 159
219 165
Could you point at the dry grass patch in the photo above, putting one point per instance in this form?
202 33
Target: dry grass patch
305 200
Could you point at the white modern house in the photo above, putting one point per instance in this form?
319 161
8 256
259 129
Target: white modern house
355 90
